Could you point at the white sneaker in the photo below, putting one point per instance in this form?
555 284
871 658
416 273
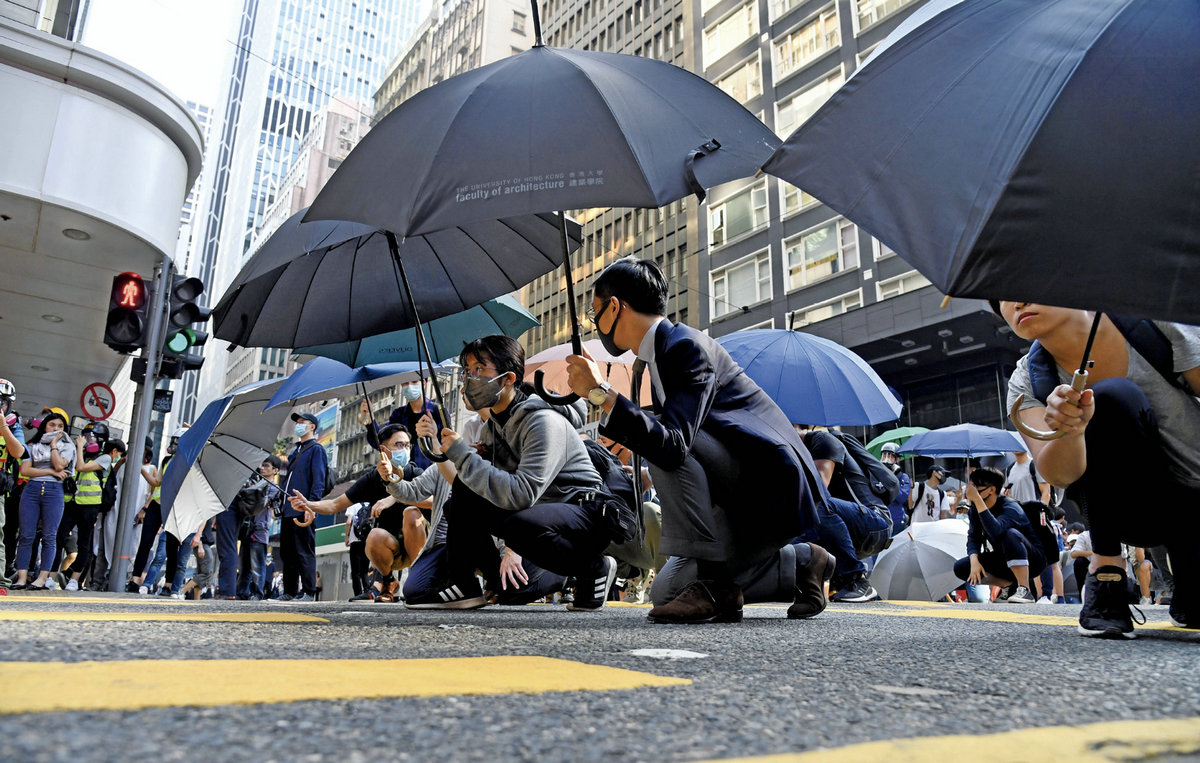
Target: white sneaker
144 590
1145 601
1045 600
1021 596
72 585
176 596
51 584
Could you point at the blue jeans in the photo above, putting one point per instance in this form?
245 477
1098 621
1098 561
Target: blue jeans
253 559
431 570
41 501
156 564
181 562
845 527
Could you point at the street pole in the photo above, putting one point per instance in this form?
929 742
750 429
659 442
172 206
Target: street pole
143 407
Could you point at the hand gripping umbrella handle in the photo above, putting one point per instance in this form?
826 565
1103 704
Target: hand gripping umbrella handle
1078 383
548 396
426 446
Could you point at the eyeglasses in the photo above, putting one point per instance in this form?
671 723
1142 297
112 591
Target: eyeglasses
477 370
590 316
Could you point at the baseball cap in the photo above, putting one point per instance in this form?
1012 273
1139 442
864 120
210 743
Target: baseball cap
306 417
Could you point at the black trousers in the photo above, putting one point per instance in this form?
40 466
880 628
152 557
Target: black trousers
360 566
150 524
298 549
85 517
12 526
564 538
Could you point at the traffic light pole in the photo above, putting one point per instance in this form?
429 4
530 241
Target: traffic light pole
143 407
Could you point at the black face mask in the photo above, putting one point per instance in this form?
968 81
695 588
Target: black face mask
610 346
482 393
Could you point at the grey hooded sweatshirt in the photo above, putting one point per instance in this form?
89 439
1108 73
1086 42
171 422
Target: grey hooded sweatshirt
537 457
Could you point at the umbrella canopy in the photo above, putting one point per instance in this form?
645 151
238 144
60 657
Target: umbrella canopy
349 286
899 435
919 565
814 380
446 335
543 130
1001 147
213 458
617 369
964 441
323 378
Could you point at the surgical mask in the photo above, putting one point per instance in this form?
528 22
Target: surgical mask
400 458
301 430
610 346
482 393
410 393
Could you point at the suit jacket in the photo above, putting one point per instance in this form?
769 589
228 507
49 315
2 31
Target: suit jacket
706 390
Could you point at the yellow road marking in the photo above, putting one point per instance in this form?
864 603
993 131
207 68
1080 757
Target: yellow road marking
34 687
1093 743
172 617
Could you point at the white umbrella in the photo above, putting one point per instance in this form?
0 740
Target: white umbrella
213 458
919 565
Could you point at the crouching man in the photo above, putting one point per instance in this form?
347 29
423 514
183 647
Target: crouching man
997 519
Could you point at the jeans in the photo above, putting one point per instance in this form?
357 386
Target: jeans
150 524
180 553
833 534
1014 550
159 560
431 568
253 559
868 528
42 501
228 524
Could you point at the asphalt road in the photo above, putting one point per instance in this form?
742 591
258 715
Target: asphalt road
857 673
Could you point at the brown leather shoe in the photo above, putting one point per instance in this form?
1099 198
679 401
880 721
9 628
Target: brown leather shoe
701 602
810 584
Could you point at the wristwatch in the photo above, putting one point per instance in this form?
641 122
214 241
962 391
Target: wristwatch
598 395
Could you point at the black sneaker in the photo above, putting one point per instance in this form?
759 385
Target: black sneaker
131 587
286 597
450 595
1105 612
1005 593
591 593
856 591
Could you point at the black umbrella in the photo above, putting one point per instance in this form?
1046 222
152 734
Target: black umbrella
1034 150
547 129
334 281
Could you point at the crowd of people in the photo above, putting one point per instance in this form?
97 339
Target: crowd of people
519 507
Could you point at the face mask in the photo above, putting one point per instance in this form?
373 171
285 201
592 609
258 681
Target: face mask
400 458
482 393
301 430
35 423
607 339
93 447
410 393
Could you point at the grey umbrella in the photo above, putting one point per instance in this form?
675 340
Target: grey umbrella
547 129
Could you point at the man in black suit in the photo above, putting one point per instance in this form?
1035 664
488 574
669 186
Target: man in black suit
735 482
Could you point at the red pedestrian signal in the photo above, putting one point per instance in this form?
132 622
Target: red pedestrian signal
125 327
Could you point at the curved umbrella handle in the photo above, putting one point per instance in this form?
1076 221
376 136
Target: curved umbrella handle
551 398
303 524
1078 383
426 446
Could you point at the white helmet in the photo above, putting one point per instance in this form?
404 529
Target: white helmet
7 390
178 433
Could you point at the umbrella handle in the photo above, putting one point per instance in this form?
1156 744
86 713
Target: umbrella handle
1078 383
548 396
302 524
426 446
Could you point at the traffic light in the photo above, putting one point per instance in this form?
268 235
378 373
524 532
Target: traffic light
182 339
125 327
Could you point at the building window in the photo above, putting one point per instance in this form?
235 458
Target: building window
821 252
741 284
881 249
744 82
767 324
901 284
872 11
795 199
804 45
518 24
825 310
790 113
738 215
730 32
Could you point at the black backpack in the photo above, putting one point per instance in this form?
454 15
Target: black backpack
108 490
625 506
884 484
1043 537
251 500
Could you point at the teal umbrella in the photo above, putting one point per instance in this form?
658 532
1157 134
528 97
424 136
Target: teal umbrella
898 435
446 335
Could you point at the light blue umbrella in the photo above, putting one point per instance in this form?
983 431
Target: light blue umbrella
964 441
814 380
322 378
213 458
446 335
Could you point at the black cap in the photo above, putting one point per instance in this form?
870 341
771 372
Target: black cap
306 417
938 468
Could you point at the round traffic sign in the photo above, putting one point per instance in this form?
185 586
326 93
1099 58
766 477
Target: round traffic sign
97 401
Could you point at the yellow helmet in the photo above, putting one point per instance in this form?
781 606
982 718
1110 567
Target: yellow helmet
60 412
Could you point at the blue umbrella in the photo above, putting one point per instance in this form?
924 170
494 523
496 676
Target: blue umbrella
814 380
324 378
1001 147
213 458
964 441
446 335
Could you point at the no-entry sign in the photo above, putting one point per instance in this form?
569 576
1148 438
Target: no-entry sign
97 401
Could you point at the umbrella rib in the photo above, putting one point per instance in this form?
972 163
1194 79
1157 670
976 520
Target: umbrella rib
308 290
532 244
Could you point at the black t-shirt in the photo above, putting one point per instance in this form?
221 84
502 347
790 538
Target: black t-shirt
369 488
848 481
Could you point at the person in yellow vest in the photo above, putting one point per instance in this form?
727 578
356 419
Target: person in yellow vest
94 461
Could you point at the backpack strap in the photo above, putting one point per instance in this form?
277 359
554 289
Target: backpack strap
1043 371
1151 343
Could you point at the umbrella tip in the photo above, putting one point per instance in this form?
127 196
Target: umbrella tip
945 301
